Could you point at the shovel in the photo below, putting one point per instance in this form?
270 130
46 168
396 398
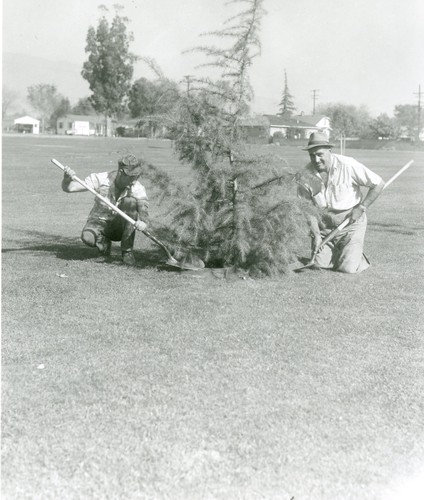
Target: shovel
340 227
188 263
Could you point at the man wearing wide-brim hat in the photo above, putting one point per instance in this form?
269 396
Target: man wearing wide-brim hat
123 189
333 183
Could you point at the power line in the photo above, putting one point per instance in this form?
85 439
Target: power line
314 98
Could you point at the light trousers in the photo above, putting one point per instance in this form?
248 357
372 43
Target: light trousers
345 253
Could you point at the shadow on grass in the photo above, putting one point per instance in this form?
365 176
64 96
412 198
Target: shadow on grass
74 249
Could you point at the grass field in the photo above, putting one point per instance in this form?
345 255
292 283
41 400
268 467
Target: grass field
149 383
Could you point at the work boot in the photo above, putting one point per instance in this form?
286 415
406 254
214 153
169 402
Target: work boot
104 245
128 258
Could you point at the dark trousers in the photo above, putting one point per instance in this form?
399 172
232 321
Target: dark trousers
115 229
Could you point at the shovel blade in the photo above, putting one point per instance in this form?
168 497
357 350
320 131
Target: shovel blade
310 265
189 263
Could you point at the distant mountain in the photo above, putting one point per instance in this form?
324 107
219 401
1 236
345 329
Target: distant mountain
21 71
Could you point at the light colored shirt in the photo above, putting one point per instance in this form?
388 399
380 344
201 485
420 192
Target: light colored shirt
104 184
345 179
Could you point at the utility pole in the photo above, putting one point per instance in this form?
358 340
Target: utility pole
314 98
419 95
187 77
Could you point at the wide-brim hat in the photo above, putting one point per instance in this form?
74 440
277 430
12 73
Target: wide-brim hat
131 165
318 140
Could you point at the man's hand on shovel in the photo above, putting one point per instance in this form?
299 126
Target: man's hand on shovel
357 212
69 172
316 242
140 225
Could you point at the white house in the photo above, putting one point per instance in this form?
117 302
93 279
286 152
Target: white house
27 125
298 127
406 134
82 125
319 123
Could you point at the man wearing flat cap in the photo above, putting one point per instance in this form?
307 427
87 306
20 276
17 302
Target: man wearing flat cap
333 184
122 188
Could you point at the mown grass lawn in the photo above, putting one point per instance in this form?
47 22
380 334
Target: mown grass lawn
149 383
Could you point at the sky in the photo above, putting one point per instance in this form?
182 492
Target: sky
360 52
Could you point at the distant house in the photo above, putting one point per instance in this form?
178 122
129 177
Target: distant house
255 129
27 125
298 127
260 127
82 125
406 134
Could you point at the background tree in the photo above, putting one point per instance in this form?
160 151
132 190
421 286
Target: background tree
109 68
287 106
142 98
83 107
9 97
241 211
151 100
152 97
383 127
346 119
44 98
406 117
62 108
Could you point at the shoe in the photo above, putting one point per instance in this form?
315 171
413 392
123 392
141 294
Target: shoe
128 258
104 245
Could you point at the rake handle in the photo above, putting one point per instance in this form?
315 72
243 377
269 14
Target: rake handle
114 208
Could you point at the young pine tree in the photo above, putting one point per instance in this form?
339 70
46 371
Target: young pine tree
241 211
